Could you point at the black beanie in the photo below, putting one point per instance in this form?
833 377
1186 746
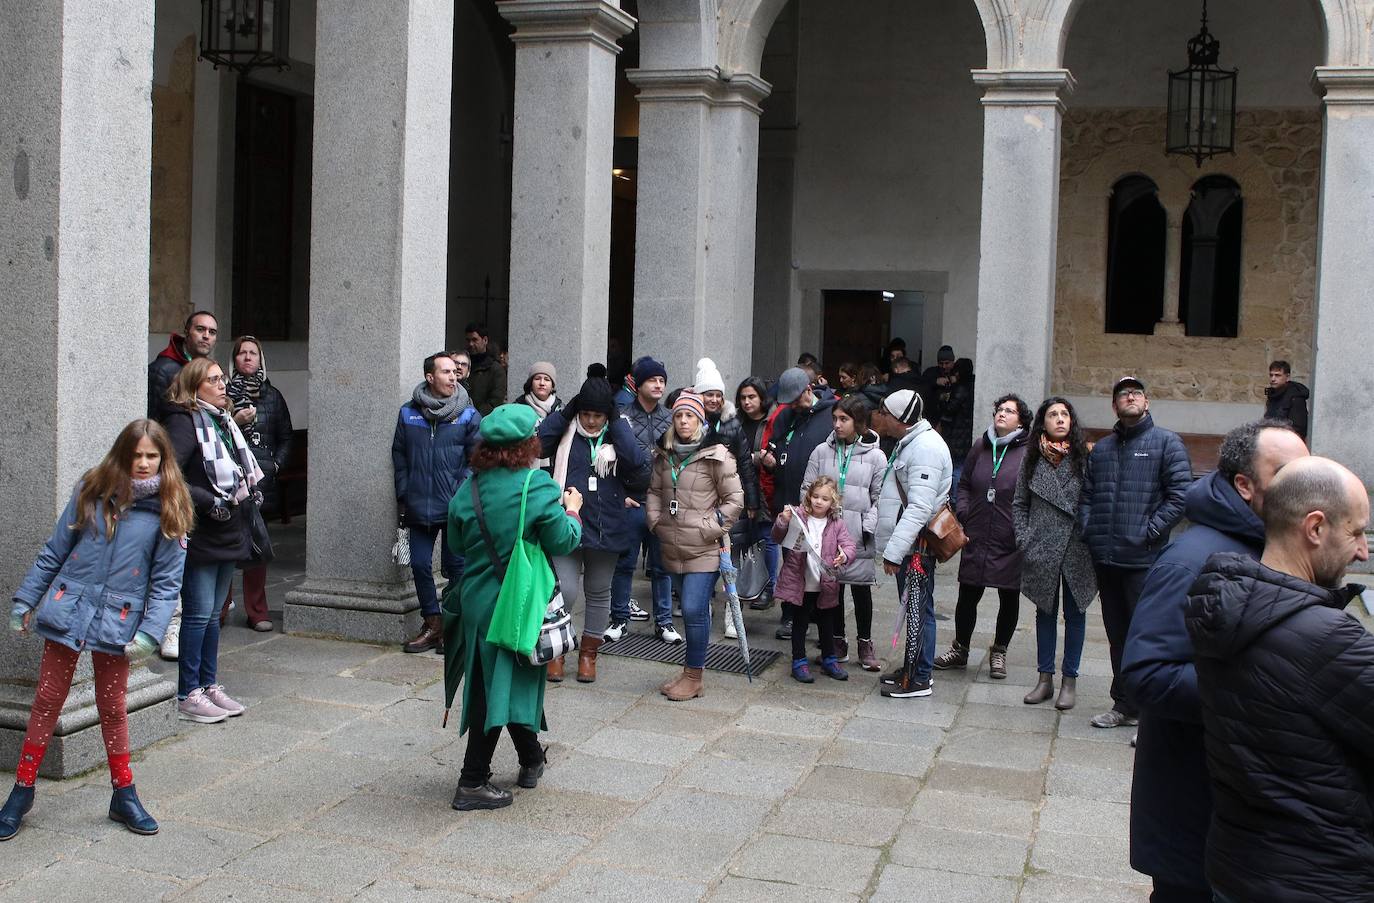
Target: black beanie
596 396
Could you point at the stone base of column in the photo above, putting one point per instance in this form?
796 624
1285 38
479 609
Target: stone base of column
353 610
77 744
1170 329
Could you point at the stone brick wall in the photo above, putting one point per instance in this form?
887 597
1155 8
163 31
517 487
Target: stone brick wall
1276 164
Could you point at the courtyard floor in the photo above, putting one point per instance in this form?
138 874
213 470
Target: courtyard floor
336 785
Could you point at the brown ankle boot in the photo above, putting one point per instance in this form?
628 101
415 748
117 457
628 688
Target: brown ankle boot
1044 689
997 662
431 636
956 657
1068 694
586 658
670 683
554 672
687 687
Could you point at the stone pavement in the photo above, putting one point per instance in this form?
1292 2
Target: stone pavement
336 785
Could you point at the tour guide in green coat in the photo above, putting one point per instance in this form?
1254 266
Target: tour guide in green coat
498 689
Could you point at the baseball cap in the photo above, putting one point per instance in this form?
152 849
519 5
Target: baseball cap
1125 381
792 384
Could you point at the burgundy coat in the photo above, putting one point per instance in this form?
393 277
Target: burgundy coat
991 557
792 575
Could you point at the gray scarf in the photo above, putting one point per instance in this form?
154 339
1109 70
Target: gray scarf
146 488
998 441
683 449
440 410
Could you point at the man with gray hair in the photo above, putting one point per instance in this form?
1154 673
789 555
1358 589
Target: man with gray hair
1286 682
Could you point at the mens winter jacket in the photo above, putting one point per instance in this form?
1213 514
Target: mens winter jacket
211 540
486 385
1286 681
1133 491
430 461
648 427
1045 509
725 428
96 593
991 557
795 436
1289 404
606 525
920 463
1171 803
863 484
161 372
707 484
791 588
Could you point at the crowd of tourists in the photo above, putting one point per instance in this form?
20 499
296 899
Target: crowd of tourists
1248 687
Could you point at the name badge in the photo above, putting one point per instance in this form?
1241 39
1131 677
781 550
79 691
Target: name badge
992 494
782 459
672 508
591 484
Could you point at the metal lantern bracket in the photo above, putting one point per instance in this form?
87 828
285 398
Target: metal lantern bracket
1202 101
246 34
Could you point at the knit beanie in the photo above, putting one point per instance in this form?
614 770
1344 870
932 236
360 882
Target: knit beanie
946 353
690 401
708 377
905 405
596 396
545 368
647 368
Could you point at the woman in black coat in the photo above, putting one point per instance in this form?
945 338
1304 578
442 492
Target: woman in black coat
261 414
987 484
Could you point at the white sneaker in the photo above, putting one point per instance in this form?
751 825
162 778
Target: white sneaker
171 640
614 632
668 635
637 613
730 632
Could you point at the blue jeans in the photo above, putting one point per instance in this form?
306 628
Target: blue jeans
1075 628
920 660
204 588
625 573
422 537
696 614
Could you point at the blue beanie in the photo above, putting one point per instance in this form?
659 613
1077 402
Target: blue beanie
647 368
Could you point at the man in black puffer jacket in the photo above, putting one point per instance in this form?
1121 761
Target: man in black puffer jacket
1286 399
1133 492
1286 680
1171 805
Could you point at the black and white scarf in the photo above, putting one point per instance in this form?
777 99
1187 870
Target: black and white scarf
230 479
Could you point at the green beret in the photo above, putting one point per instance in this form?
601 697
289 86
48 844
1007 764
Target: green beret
509 424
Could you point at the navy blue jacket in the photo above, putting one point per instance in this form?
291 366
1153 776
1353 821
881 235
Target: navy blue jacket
648 428
1133 491
605 525
1171 803
796 436
430 462
93 593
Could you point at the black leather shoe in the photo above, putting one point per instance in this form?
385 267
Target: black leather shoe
486 796
14 810
763 602
530 774
128 811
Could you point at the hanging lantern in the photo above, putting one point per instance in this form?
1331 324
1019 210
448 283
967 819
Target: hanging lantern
245 34
1202 101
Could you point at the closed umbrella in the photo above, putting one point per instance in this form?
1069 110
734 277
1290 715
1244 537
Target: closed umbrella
454 648
732 606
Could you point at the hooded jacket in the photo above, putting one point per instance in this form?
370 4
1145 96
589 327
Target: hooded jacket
1289 404
921 463
161 372
863 484
795 435
1286 680
725 428
1171 803
991 557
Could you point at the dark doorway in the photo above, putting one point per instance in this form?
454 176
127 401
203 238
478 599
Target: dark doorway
1209 288
1137 230
264 165
857 324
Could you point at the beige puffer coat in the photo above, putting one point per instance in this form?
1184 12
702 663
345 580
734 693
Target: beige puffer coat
708 484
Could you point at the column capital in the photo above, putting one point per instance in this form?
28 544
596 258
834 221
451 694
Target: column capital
1024 87
707 85
542 21
1343 85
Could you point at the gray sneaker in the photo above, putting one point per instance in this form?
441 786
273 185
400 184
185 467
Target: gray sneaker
198 708
222 699
1113 718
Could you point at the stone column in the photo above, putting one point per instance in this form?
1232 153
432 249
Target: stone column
378 259
1169 324
76 141
561 183
694 236
1341 428
1016 274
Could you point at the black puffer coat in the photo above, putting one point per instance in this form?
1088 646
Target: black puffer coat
1286 680
726 429
1133 492
795 436
269 438
211 541
1289 404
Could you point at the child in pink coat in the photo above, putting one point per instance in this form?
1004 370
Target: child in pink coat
818 546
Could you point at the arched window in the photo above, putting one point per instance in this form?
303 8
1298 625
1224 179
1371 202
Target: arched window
1136 233
1209 285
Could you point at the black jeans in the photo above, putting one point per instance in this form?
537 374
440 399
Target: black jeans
863 612
802 617
1120 590
482 743
966 614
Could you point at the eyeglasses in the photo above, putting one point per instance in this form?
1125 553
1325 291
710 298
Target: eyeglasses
1131 393
1007 410
217 380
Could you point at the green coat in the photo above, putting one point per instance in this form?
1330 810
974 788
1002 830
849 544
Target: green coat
515 691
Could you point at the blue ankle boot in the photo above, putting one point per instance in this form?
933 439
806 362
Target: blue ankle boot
831 666
14 810
128 811
802 671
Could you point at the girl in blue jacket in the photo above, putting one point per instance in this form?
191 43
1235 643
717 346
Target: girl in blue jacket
107 581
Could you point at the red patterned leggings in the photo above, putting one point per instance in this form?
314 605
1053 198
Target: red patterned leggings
54 682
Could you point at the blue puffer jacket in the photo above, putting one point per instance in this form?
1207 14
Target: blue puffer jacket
1133 492
605 524
1171 802
93 593
430 462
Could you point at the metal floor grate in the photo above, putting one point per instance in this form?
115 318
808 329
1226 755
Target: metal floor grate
719 656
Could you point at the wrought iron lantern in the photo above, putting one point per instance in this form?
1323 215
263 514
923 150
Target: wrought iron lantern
245 34
1202 101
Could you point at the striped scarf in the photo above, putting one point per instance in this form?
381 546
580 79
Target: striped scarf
230 479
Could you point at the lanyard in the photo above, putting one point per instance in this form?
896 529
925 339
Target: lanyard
595 444
997 459
842 462
677 469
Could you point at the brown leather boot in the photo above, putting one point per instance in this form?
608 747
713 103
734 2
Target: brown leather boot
586 658
688 687
670 683
1068 694
997 662
1044 689
431 636
554 674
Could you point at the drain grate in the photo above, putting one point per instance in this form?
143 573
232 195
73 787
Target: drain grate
719 656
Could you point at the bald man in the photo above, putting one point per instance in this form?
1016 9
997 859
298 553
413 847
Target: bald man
1286 680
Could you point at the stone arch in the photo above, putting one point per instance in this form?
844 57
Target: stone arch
744 27
1349 32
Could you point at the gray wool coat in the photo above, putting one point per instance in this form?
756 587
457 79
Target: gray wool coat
863 483
1045 510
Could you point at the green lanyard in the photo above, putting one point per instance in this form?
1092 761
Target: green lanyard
997 459
677 469
595 444
842 462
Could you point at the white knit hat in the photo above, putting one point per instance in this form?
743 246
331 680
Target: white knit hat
708 377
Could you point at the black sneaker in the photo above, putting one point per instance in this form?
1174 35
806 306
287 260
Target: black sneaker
909 688
637 613
487 796
891 677
784 631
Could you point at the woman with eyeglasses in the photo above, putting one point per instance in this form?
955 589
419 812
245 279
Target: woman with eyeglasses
221 473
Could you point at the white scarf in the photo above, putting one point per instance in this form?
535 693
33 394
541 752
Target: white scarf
542 408
604 462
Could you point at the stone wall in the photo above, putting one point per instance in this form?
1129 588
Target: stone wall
1276 163
169 275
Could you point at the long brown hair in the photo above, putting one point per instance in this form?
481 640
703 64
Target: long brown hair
182 393
110 485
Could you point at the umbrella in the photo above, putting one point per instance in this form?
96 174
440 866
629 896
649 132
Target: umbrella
909 607
732 607
452 612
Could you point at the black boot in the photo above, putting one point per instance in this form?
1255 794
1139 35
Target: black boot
530 774
14 810
128 811
484 796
